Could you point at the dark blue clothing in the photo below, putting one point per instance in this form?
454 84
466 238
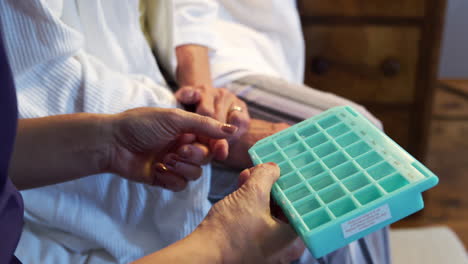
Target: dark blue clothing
11 204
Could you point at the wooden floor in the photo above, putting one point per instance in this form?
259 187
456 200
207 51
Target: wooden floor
447 204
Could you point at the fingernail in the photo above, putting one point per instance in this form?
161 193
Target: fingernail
230 129
185 152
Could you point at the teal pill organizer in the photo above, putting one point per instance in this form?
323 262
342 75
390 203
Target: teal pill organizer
341 178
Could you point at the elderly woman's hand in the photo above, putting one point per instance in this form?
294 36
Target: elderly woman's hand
158 146
238 155
220 104
244 224
238 229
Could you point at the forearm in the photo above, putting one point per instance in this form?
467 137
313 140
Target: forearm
59 148
193 65
199 247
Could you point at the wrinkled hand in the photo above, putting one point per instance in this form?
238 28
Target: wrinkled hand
219 104
258 129
147 138
244 226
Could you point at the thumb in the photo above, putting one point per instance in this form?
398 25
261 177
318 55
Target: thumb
186 122
187 95
265 174
287 247
262 176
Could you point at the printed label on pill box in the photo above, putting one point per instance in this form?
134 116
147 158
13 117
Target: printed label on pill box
366 221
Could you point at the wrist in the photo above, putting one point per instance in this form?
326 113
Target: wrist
214 235
215 244
193 65
201 246
106 125
187 76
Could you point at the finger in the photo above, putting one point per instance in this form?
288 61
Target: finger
219 148
186 122
263 177
188 171
164 178
186 139
188 95
240 119
243 177
195 153
280 126
222 104
206 105
285 250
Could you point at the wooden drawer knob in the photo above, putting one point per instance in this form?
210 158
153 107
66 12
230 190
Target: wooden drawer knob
390 67
320 65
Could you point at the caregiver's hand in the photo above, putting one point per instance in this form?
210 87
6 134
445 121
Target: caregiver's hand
143 137
238 229
132 144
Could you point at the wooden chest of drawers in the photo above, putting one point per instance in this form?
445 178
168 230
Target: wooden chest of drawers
382 54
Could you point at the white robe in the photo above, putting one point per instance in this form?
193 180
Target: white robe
91 56
245 37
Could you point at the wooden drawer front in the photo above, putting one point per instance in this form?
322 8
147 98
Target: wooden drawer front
450 105
369 8
451 99
363 63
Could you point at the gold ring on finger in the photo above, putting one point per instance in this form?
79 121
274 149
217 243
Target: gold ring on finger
236 108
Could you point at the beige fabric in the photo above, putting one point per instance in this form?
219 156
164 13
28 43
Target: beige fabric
144 21
431 245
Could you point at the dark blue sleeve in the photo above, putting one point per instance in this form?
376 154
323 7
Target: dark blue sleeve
11 204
